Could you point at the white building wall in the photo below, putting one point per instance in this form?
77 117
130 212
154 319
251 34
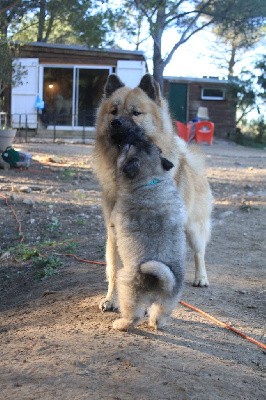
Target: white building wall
131 72
23 96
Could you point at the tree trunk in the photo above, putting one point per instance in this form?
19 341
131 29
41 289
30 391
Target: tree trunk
3 25
158 64
49 27
158 69
42 14
232 62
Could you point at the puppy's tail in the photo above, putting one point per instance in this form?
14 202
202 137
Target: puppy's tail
160 271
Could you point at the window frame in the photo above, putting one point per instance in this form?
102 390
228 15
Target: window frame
220 98
74 67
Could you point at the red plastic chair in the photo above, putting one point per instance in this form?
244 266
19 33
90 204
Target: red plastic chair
204 131
182 130
191 131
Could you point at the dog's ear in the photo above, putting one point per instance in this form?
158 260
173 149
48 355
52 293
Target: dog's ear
132 167
166 164
113 83
149 85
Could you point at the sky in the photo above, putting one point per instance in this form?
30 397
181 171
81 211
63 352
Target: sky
195 57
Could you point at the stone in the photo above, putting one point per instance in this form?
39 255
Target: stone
29 202
4 165
226 214
25 189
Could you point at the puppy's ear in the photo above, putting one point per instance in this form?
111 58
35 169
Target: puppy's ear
112 84
166 164
132 167
149 85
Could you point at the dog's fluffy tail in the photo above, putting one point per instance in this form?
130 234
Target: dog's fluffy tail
160 271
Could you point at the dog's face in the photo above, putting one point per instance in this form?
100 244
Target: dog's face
142 161
140 105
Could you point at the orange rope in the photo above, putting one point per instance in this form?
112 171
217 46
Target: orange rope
226 326
16 218
82 259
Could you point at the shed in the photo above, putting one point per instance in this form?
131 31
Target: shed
186 95
64 83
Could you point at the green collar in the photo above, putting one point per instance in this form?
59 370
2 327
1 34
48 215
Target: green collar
151 183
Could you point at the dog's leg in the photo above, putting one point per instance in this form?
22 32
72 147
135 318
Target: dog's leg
131 309
198 237
131 313
201 278
112 260
159 313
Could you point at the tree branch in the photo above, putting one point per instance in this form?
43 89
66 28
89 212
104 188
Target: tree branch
50 25
139 5
4 9
176 6
245 112
184 39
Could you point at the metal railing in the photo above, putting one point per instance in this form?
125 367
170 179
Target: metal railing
30 125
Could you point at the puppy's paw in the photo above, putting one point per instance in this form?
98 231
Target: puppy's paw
201 281
121 324
108 305
157 324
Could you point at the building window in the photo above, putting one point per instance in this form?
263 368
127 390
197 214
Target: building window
212 94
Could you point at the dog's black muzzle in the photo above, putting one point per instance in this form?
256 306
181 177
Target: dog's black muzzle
117 123
124 131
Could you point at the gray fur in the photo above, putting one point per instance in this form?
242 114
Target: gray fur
148 221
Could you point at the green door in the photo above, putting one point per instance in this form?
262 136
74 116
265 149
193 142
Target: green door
178 101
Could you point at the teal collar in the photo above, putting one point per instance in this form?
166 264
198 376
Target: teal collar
151 183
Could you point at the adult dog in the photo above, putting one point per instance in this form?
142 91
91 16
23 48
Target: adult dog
147 108
147 220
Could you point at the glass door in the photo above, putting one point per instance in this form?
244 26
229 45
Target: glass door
72 95
57 96
89 84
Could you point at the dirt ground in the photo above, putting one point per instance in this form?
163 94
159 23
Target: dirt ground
54 341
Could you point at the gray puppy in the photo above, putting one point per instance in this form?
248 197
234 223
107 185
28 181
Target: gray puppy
148 221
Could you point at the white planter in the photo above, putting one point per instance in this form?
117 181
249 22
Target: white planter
6 138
